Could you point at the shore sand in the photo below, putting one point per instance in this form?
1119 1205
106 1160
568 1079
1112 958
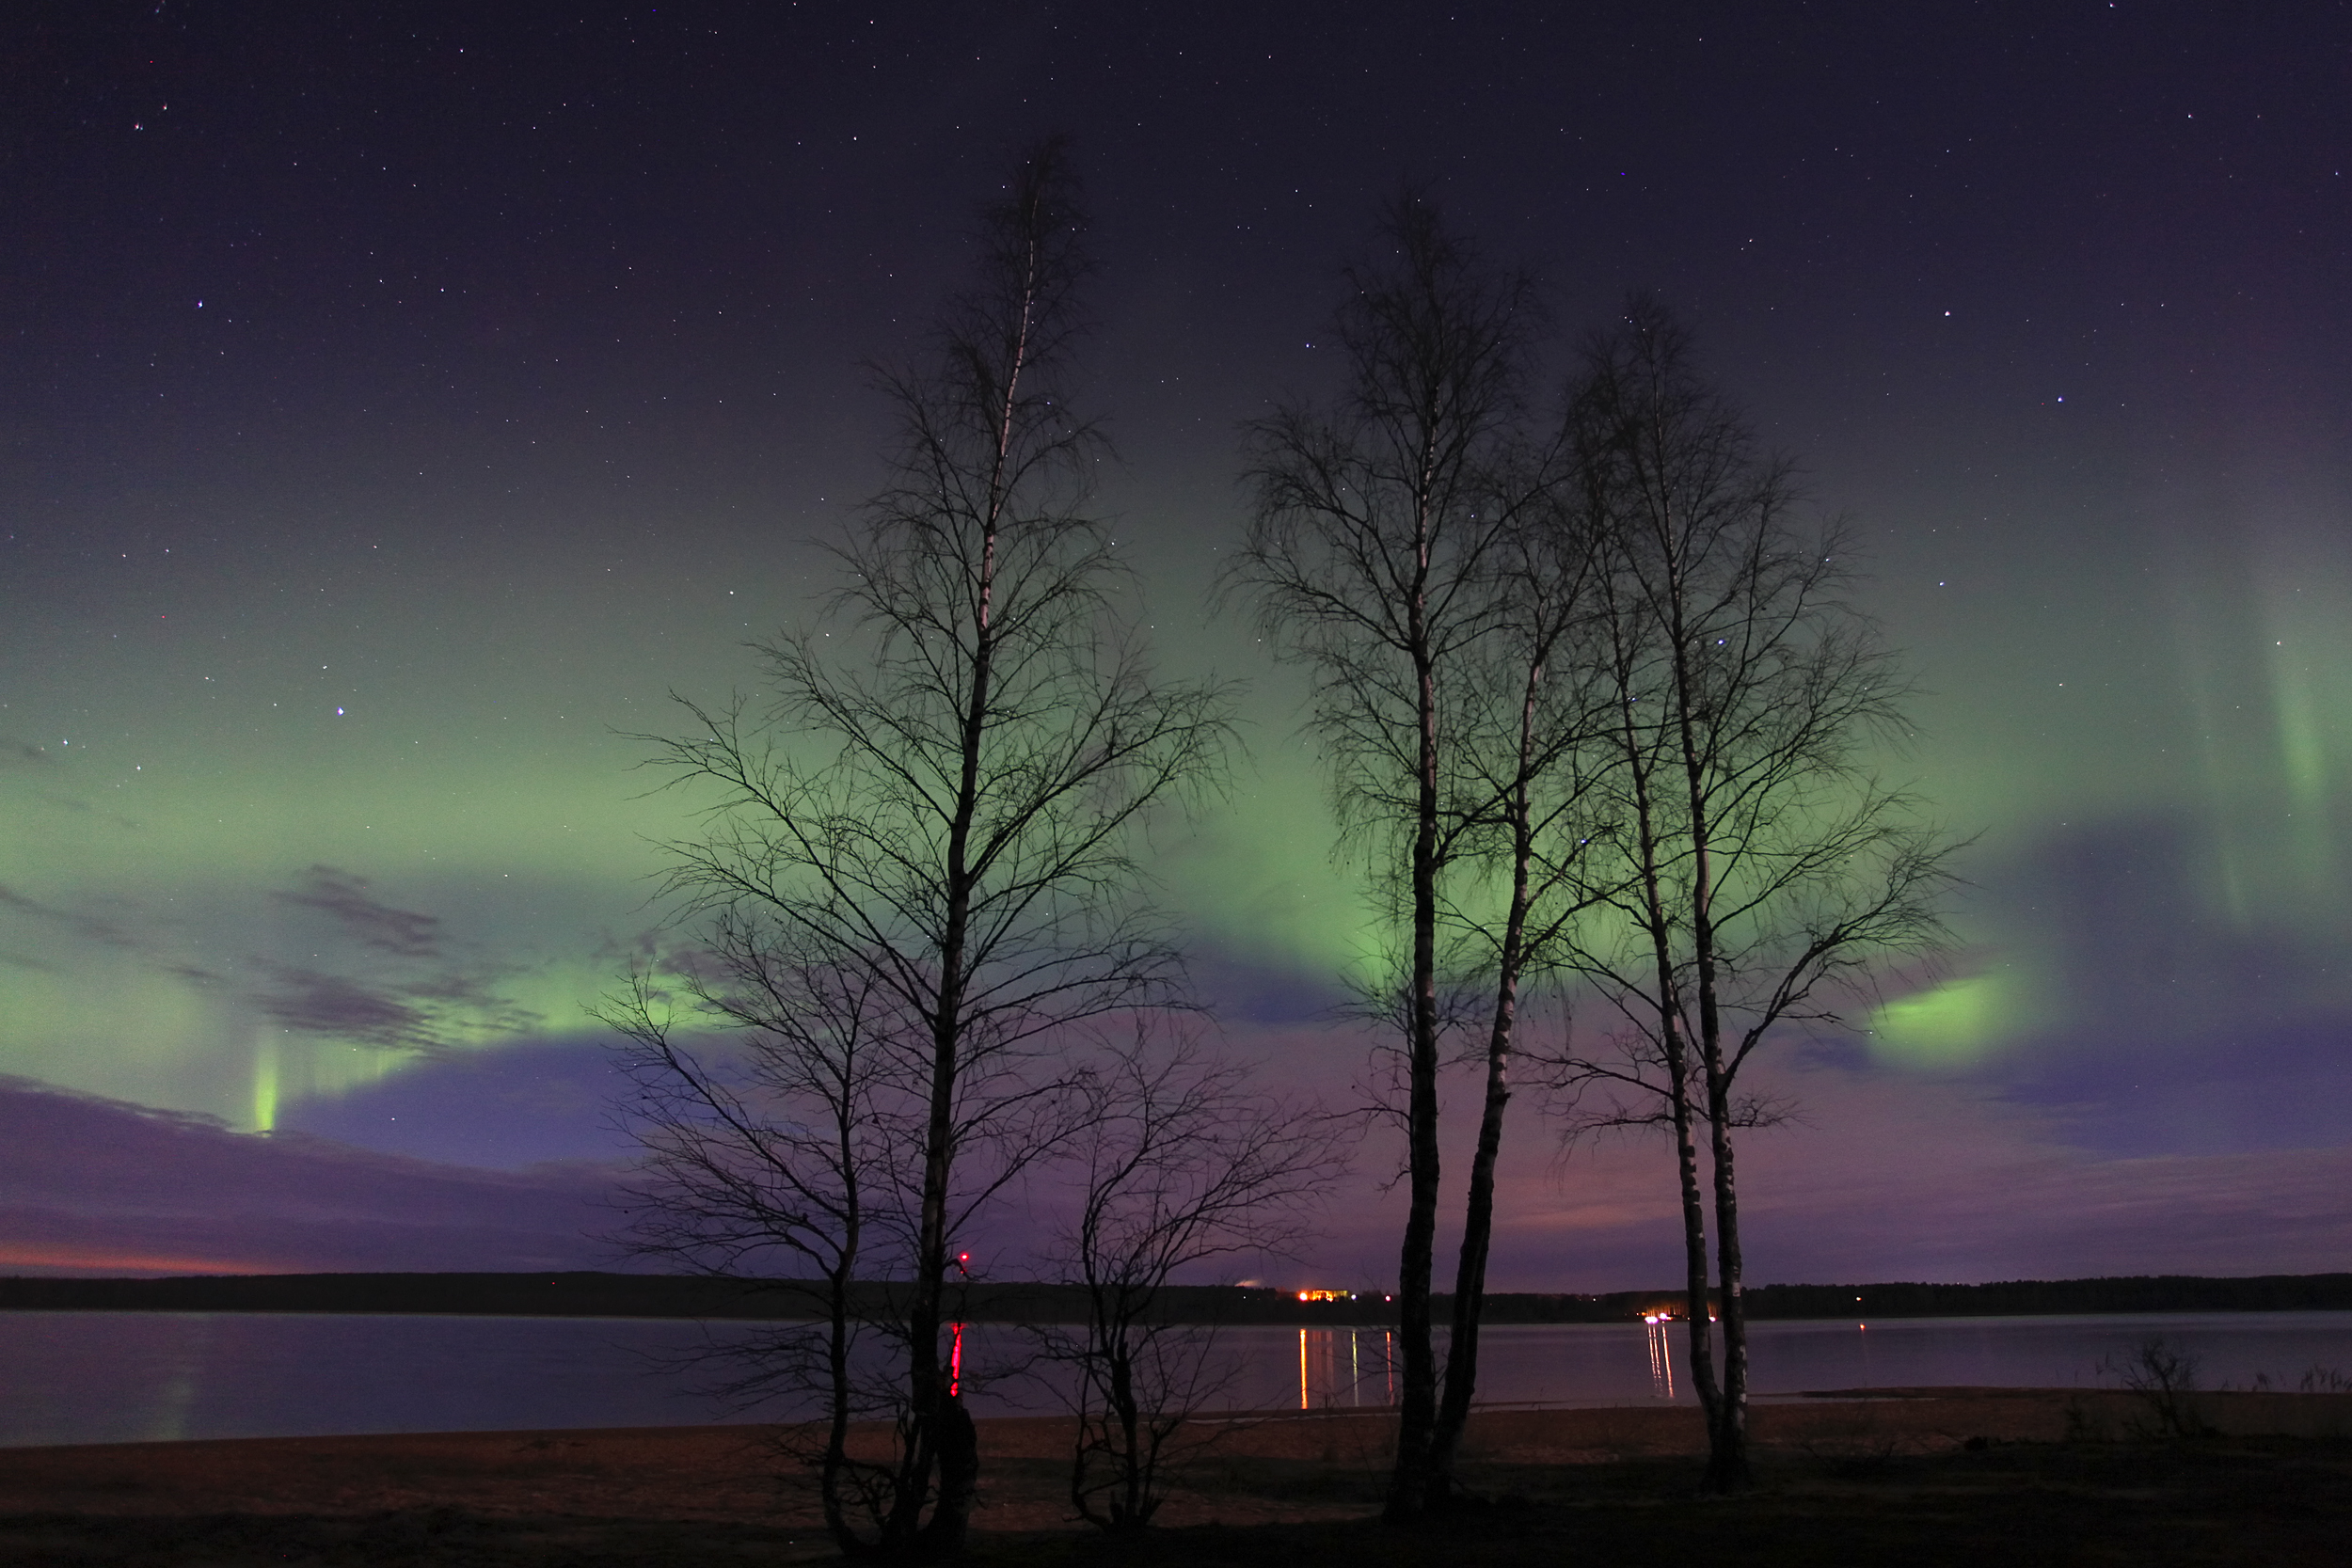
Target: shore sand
595 1496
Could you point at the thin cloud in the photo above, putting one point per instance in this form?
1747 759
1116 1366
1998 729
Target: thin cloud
406 933
344 1009
90 927
396 1008
434 1013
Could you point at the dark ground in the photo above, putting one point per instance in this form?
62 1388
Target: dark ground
1892 1481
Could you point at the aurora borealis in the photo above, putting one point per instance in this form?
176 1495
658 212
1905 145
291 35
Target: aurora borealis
398 410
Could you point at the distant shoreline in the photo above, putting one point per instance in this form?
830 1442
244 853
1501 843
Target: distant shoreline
589 1294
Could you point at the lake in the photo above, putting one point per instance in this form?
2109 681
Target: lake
106 1377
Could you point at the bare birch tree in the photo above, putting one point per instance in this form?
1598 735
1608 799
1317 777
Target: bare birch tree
1179 1164
1765 865
1371 555
1529 796
939 799
772 1155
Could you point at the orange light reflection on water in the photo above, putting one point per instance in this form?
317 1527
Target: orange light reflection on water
1350 1367
1661 1358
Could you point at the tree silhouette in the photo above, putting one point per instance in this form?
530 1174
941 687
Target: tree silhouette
1371 556
935 805
1763 864
1528 803
1179 1162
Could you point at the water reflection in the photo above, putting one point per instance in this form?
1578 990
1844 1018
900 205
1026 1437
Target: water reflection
1346 1367
184 1359
103 1377
1661 1358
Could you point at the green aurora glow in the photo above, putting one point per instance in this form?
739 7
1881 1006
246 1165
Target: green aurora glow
161 826
358 525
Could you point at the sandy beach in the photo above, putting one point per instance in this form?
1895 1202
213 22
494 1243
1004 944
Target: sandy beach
593 1496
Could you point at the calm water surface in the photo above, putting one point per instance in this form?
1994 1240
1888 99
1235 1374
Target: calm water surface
103 1377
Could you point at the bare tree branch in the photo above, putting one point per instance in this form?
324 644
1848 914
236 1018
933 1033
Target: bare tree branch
1765 867
934 812
1376 553
1180 1165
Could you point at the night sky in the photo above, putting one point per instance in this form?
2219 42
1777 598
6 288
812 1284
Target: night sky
400 402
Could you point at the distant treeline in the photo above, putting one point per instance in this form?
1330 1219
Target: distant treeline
644 1295
2163 1293
618 1296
